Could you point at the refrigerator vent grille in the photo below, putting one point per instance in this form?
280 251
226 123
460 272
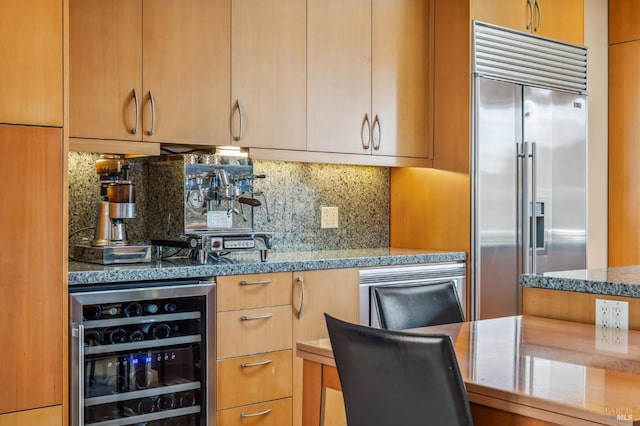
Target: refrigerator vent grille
523 58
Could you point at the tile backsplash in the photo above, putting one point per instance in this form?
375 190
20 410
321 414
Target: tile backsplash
295 193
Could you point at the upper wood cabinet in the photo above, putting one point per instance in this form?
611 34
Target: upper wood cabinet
370 77
31 298
268 68
560 20
624 16
31 39
151 70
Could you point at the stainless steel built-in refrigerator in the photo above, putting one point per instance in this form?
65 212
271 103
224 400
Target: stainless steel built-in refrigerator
529 164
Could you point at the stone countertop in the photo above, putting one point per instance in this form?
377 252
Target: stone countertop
618 281
234 264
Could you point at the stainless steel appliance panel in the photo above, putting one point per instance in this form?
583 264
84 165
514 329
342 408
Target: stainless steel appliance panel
498 130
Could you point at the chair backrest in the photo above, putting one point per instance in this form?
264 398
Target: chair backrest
397 378
411 306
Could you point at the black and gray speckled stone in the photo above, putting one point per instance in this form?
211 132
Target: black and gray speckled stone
85 273
619 281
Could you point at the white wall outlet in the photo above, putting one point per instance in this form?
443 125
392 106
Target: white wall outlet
328 217
612 314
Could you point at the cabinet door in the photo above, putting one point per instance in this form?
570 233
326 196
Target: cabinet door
333 291
269 73
560 20
402 89
339 76
186 71
31 278
105 69
31 55
624 198
516 14
624 16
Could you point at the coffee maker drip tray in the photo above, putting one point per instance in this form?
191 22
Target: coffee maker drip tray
113 254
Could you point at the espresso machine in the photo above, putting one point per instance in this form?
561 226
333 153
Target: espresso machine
110 244
208 206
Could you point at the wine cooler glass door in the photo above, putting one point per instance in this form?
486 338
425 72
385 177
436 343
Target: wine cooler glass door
140 356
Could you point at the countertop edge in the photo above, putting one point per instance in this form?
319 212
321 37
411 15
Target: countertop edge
577 285
168 271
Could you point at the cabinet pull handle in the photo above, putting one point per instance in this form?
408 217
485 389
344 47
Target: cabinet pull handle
259 317
238 108
261 413
376 124
255 364
301 281
365 125
153 114
530 15
537 5
267 281
135 100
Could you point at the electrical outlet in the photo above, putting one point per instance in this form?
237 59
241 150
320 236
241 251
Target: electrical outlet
328 217
612 314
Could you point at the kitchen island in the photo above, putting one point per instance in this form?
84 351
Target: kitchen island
249 263
571 295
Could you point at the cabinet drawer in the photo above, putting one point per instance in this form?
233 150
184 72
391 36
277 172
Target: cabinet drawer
258 414
255 290
255 378
252 331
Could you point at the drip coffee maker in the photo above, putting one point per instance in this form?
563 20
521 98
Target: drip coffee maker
118 202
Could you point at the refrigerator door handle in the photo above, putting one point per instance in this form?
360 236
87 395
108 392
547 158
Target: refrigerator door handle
524 210
534 211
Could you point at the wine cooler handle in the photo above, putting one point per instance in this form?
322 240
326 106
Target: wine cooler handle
261 413
80 331
267 281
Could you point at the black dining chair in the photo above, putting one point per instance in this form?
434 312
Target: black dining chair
411 306
394 378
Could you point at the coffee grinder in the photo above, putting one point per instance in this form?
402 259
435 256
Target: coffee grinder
118 202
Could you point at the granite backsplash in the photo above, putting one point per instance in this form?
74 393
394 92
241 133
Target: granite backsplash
295 193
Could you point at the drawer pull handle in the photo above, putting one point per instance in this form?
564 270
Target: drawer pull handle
255 364
261 413
246 318
301 281
255 282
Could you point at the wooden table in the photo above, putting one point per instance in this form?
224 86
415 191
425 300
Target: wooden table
521 370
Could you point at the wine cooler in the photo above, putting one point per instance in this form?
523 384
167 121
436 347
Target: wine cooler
143 356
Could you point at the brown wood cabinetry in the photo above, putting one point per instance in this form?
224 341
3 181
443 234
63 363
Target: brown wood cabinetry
335 292
148 70
268 68
31 270
560 20
280 309
31 42
373 94
624 16
624 174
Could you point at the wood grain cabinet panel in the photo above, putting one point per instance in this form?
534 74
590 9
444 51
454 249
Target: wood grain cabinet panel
105 40
150 70
624 198
31 298
268 65
271 413
48 416
253 331
624 16
253 290
31 40
560 20
251 379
